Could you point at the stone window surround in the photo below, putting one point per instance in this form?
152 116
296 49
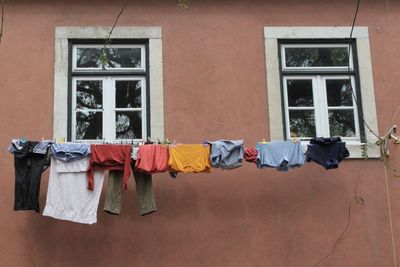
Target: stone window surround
152 34
360 34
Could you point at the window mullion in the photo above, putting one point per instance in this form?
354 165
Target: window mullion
144 109
73 110
323 102
355 106
107 104
317 100
285 96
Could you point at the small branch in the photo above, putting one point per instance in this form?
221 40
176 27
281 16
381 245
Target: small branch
103 57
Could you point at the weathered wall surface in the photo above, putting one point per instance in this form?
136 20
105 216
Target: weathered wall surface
214 87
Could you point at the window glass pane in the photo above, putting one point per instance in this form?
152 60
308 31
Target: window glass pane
341 123
128 94
88 57
128 125
129 57
300 93
339 92
89 94
316 56
89 125
302 123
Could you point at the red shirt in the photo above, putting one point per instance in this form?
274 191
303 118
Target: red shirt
110 157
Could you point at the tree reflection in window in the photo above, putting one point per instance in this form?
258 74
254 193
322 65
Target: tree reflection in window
118 57
89 125
316 57
128 125
302 123
89 94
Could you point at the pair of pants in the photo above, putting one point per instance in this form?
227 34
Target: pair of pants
144 192
29 167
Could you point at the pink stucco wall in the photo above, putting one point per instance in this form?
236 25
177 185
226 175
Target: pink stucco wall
214 87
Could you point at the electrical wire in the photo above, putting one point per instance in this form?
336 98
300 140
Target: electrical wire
359 200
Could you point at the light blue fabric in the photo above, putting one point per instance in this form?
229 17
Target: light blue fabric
70 151
42 147
226 154
280 155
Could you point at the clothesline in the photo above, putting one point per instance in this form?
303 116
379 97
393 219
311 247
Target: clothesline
77 170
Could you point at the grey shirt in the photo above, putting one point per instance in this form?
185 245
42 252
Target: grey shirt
226 154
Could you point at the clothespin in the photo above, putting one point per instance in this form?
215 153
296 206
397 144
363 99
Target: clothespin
23 140
264 141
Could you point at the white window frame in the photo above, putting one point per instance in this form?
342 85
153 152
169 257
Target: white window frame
305 45
321 107
142 57
273 78
154 37
109 110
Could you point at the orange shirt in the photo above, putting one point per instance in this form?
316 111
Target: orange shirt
189 158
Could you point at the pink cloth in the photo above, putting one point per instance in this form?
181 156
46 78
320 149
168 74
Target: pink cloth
152 158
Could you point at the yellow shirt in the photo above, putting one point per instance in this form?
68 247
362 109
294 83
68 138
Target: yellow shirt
189 158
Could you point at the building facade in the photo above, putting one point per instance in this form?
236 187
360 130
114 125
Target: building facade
249 70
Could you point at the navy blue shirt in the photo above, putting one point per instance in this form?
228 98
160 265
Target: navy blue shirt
327 152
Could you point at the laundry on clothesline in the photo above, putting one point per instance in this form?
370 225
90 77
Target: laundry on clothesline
226 154
250 154
189 158
67 195
29 167
328 152
77 170
281 155
152 158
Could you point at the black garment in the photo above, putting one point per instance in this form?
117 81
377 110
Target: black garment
29 167
327 152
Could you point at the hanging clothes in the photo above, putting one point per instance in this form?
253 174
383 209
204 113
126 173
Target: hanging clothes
144 192
281 155
70 151
250 154
67 195
110 157
226 154
152 158
327 152
189 158
29 167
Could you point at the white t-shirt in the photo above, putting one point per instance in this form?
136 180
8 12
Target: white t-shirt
68 196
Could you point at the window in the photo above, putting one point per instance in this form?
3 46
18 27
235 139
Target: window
318 91
108 102
122 100
308 85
